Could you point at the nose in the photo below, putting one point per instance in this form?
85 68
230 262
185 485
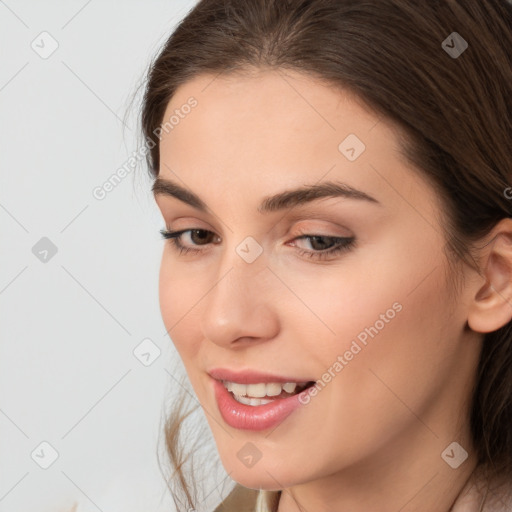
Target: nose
241 305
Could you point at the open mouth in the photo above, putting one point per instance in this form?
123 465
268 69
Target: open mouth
264 392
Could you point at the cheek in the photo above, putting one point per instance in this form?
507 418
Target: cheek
395 334
399 280
387 313
177 297
349 302
399 367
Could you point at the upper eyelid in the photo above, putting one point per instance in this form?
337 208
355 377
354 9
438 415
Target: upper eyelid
300 236
293 219
296 212
303 233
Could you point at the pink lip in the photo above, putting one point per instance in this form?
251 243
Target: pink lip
260 417
252 377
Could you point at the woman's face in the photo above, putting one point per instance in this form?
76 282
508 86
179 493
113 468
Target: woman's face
374 323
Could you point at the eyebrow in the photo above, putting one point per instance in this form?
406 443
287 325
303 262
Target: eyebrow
280 201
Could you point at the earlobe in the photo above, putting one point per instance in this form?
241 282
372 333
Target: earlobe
491 306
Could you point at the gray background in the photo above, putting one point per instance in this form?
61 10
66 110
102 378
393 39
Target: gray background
70 323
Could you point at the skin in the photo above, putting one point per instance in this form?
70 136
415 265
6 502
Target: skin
372 438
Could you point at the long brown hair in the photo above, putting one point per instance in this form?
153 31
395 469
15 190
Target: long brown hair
455 111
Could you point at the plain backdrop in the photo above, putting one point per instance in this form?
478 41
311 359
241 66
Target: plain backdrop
79 275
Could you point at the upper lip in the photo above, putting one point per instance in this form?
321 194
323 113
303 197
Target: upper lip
252 376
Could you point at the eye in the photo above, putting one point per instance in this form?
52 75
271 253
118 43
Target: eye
204 237
336 244
175 238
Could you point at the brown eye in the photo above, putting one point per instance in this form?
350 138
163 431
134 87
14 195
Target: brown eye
198 237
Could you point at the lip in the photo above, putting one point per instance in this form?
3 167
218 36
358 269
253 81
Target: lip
259 417
252 377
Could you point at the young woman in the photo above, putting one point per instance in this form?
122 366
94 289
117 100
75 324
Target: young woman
335 180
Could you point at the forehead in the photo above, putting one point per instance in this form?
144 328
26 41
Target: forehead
272 100
267 131
273 119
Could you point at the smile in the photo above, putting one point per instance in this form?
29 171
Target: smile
257 405
263 393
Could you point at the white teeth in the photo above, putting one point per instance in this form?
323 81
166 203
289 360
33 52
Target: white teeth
246 392
237 389
289 387
273 389
252 401
256 390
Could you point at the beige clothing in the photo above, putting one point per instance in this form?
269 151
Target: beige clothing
475 496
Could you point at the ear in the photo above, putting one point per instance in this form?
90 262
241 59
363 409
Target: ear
491 305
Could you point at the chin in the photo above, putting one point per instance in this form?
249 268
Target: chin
261 476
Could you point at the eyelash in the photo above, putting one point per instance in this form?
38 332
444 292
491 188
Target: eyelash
344 244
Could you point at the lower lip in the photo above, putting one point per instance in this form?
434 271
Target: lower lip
258 417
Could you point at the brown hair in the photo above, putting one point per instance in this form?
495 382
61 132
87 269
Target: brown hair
455 113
